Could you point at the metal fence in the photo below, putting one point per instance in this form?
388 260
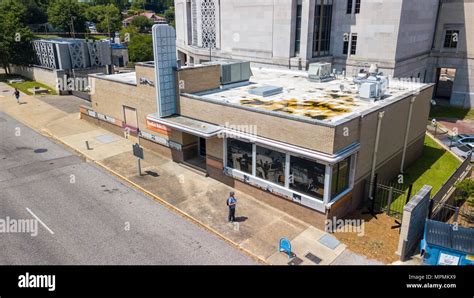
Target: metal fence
462 215
389 198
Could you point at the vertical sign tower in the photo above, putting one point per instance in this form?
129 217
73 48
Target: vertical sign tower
164 51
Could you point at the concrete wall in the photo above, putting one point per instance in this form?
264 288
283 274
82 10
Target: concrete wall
42 75
413 222
50 77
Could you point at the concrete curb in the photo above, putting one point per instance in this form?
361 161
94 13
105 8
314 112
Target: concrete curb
156 198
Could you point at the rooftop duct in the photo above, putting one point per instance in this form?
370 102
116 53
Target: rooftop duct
266 90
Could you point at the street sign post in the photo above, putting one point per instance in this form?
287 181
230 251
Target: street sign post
138 153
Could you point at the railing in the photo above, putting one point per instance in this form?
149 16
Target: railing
447 187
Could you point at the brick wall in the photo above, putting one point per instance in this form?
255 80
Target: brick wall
200 78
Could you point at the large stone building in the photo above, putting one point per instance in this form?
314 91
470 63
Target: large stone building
426 40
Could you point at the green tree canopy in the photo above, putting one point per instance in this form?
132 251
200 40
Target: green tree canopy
138 5
67 15
120 4
142 24
106 17
169 15
140 46
15 36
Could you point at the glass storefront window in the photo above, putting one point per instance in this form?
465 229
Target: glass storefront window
270 165
307 177
239 155
340 177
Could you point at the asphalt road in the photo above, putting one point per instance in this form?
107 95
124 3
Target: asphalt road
87 215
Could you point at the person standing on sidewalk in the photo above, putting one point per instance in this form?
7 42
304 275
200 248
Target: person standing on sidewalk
17 96
232 203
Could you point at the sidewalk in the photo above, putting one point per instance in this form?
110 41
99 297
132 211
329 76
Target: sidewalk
202 200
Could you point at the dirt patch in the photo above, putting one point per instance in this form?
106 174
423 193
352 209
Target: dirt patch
378 240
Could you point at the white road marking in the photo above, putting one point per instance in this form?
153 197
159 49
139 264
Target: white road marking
42 223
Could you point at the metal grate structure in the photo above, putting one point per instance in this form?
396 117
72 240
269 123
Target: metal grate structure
208 23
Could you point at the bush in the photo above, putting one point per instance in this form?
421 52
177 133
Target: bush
465 190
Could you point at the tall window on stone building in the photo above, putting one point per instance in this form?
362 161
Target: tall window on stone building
349 6
299 9
345 45
322 27
208 23
353 44
357 7
451 39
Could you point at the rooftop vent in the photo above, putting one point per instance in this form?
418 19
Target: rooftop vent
372 84
266 90
233 71
320 72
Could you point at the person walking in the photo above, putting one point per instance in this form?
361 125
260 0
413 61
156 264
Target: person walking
232 203
17 95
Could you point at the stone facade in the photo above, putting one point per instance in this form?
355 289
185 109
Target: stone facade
404 37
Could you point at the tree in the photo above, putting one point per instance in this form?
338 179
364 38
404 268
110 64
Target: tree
465 190
120 4
138 5
36 11
15 36
169 15
142 24
106 17
140 47
67 15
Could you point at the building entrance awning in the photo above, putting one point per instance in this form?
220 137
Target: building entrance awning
188 125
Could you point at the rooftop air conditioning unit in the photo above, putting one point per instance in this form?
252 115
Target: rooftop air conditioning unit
368 90
320 72
233 71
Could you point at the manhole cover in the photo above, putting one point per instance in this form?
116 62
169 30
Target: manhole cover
295 261
313 258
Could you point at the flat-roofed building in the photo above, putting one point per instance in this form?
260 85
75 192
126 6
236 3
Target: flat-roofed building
278 136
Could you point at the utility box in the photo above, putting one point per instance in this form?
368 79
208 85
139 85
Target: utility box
233 71
320 72
368 90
